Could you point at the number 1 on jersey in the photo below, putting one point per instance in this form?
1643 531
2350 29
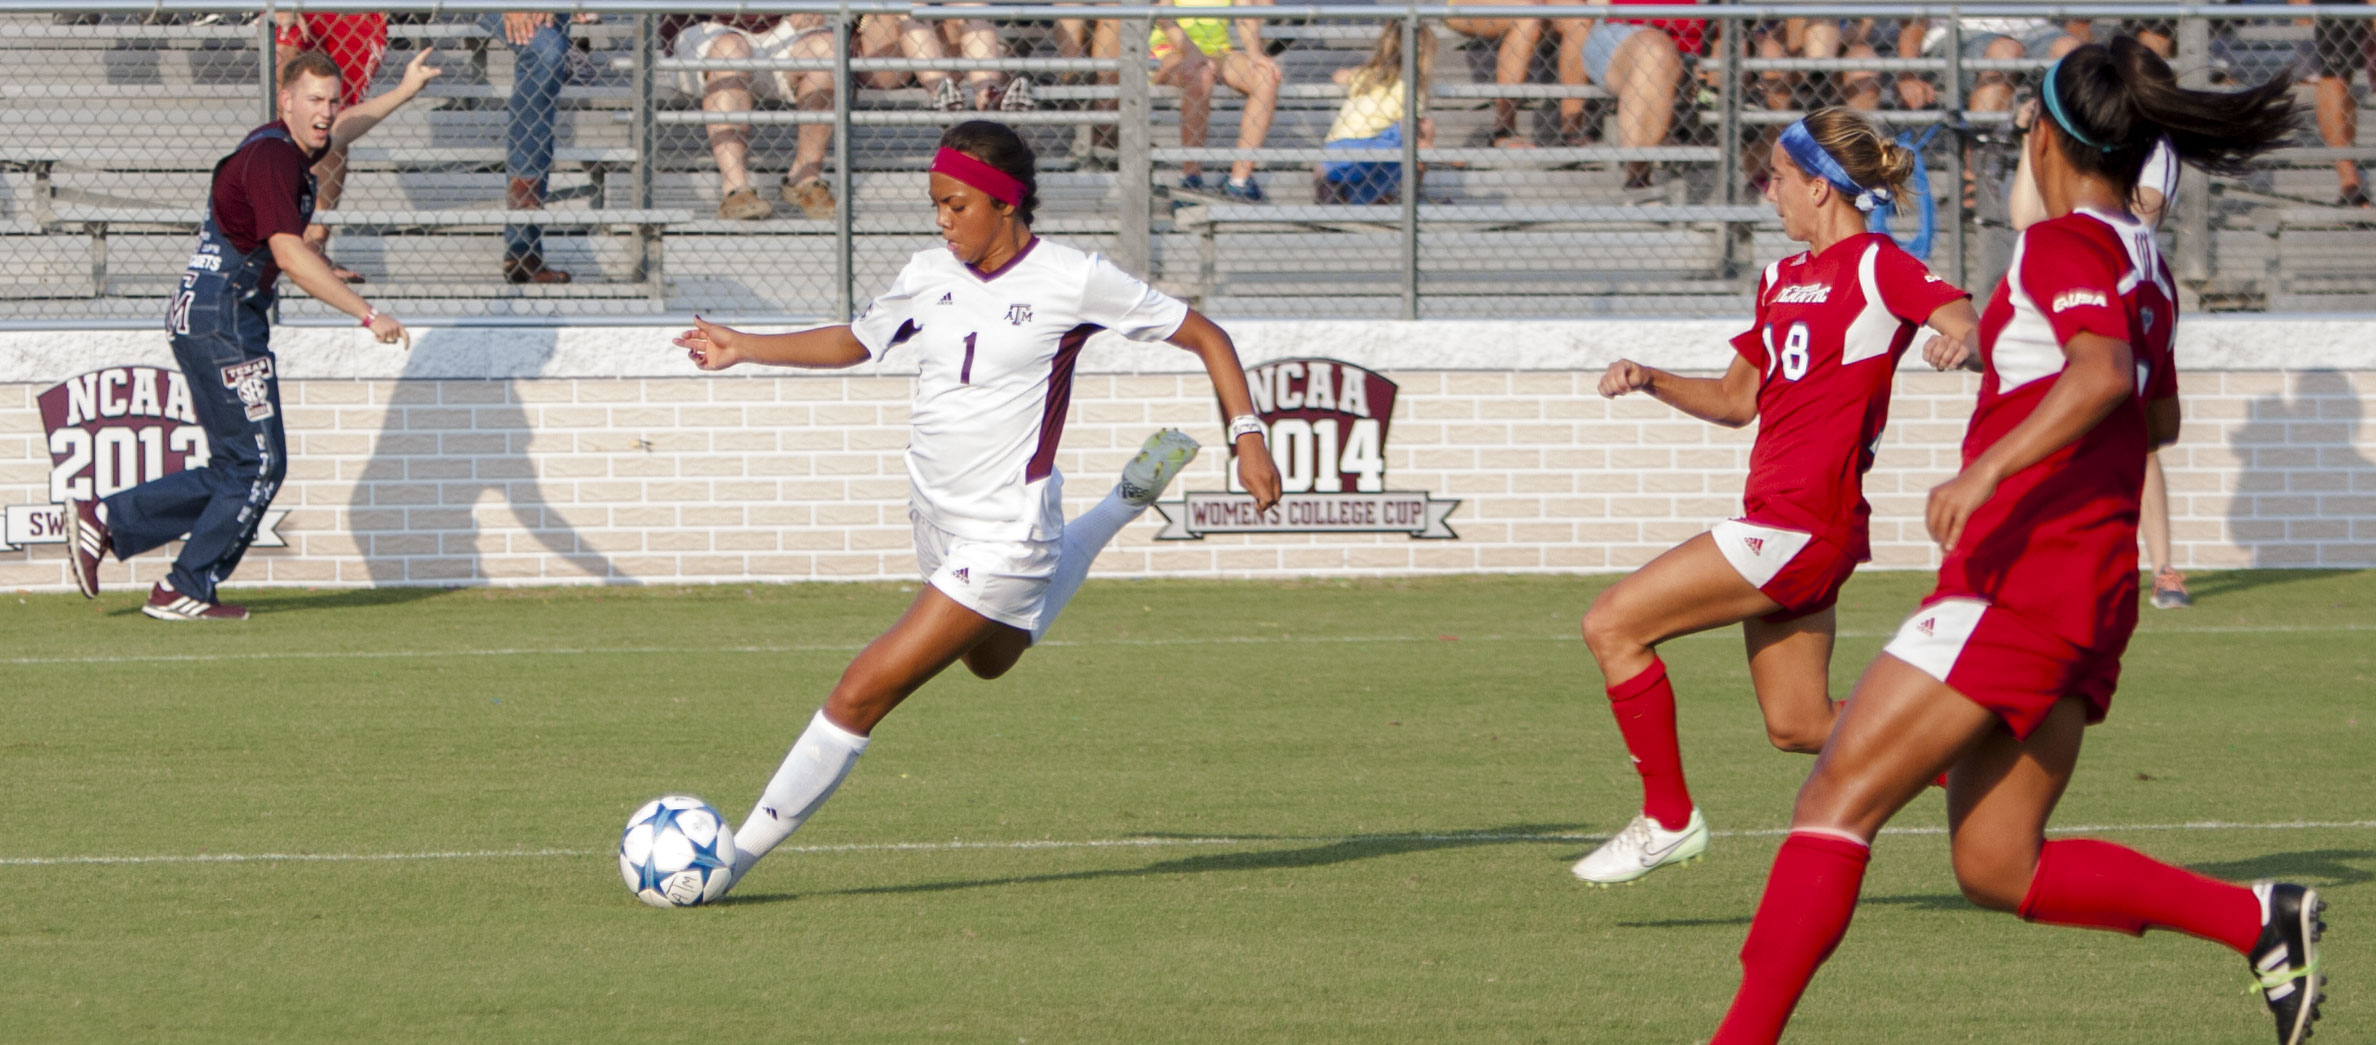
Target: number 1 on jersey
965 373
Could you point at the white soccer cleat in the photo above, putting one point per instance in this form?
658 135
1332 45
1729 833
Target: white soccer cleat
1641 848
1165 455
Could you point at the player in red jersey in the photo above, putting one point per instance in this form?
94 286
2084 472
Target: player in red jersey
1996 676
1815 373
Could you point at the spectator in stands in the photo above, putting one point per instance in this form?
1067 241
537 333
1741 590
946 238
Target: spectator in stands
1083 38
2340 46
355 43
1998 38
1372 118
1193 53
1513 61
976 38
540 49
889 35
1819 38
774 37
1641 62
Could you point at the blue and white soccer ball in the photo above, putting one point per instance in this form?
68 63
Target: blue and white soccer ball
677 852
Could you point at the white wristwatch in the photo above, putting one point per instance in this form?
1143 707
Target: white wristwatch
1244 424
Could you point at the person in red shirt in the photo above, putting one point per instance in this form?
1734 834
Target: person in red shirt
1815 373
1996 676
1640 60
356 43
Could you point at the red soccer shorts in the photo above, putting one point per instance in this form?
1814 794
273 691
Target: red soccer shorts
1997 659
1800 571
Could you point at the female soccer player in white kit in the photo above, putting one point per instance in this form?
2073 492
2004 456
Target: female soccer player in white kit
997 319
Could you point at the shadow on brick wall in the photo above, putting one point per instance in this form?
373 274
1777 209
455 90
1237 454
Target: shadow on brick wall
448 446
2306 494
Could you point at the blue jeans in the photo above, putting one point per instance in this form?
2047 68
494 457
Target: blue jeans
534 108
227 362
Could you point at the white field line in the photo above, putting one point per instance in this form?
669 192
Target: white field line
853 647
1245 841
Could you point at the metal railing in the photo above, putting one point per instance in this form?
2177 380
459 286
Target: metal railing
1567 174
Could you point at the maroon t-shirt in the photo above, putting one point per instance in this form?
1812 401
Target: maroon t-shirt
255 195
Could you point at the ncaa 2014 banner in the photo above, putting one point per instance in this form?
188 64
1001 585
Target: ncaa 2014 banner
109 430
1327 422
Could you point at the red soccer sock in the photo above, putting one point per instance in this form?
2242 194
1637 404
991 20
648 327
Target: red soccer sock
2098 885
1645 710
1809 898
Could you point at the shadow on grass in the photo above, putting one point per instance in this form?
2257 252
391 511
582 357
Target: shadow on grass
2229 582
2324 868
263 602
1333 851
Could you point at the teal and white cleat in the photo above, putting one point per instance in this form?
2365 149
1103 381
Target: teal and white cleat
1641 848
1165 455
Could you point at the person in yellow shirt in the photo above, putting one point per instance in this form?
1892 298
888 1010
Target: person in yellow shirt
1192 53
1372 118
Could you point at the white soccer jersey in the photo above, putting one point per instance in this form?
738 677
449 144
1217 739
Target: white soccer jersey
996 353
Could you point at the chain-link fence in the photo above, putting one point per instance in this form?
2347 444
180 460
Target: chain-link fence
608 161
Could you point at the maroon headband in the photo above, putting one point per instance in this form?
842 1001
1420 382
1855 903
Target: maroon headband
1000 185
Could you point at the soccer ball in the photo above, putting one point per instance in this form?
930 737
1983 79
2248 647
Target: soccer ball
677 852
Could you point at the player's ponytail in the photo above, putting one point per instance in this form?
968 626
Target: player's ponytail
2109 104
1870 159
999 146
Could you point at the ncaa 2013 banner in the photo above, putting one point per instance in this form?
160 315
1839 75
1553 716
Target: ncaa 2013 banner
1327 422
113 429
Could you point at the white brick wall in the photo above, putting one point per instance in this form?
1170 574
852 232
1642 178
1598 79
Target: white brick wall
791 476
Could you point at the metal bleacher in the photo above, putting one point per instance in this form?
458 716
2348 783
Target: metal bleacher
108 131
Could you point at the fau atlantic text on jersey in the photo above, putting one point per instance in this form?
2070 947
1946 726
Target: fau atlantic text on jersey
1830 329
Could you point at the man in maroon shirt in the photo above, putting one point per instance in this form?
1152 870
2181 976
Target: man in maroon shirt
220 323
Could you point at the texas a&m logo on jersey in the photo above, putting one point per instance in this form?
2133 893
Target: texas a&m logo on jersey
110 430
1326 422
1018 314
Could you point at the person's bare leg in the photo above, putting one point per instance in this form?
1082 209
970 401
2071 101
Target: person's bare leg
1860 89
2338 127
1993 91
1257 77
811 92
730 143
1572 34
1790 668
1998 800
1645 71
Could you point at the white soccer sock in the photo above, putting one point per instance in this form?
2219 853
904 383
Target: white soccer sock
1083 538
819 760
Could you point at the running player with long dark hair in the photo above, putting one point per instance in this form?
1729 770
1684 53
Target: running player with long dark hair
997 318
1815 372
1996 677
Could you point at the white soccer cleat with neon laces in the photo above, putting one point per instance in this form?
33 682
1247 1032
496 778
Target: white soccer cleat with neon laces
1164 456
1641 848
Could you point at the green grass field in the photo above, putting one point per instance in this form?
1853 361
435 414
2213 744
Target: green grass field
1204 812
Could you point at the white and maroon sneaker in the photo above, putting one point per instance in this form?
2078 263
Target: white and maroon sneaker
164 603
87 544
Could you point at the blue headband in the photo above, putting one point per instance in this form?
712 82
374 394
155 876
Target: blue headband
2054 108
1814 159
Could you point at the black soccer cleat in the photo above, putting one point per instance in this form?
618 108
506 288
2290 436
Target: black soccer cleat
2285 960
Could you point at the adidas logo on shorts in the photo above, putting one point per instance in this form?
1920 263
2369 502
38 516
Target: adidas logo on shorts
948 299
1927 627
964 575
1756 545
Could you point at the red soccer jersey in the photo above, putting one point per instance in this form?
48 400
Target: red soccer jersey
1830 329
2057 542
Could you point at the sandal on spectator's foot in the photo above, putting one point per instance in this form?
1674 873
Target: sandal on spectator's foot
2355 196
1507 138
530 268
744 204
811 195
